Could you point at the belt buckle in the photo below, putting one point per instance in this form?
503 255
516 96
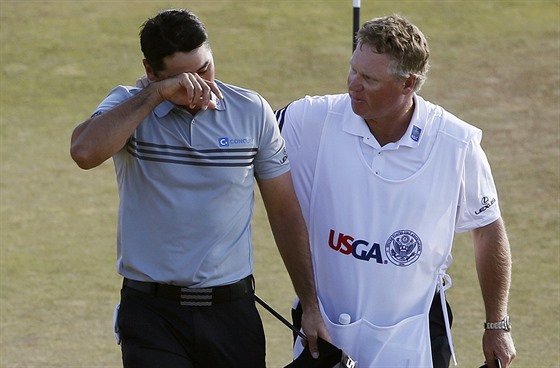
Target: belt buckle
196 297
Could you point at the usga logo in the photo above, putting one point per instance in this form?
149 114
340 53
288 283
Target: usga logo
402 248
360 249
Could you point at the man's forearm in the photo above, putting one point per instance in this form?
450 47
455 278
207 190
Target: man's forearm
100 137
493 265
290 234
298 261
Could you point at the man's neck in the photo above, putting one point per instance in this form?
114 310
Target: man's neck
392 129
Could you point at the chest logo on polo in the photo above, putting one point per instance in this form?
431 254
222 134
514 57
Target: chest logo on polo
227 142
402 248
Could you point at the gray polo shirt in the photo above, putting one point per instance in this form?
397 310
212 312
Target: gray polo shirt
186 188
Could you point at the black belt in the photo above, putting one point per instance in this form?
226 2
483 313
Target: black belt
192 297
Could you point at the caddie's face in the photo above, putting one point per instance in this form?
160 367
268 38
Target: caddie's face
376 93
199 61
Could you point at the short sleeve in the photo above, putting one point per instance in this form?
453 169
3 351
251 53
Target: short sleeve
117 95
301 123
271 160
478 202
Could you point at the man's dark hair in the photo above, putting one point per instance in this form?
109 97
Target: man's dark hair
171 31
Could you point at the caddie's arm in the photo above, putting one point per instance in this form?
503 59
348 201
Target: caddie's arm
101 136
493 265
290 233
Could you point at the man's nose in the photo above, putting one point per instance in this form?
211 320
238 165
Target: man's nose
354 83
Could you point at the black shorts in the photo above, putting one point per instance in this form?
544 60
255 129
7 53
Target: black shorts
158 332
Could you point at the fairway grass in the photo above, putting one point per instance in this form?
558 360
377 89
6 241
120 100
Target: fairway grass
495 64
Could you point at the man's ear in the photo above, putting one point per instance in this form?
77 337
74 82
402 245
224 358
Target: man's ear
149 70
409 84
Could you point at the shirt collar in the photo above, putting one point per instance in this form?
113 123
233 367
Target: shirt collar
415 130
165 107
355 125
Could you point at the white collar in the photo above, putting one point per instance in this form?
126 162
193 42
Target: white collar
355 125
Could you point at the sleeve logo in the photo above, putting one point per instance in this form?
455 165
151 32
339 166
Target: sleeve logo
486 204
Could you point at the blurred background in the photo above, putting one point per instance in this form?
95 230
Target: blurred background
495 64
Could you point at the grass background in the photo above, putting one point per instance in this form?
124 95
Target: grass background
494 63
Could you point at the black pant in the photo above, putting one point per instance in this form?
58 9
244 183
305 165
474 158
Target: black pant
441 352
159 332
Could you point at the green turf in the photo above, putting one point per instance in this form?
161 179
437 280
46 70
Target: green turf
494 63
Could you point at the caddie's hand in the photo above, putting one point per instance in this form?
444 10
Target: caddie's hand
313 327
498 344
189 90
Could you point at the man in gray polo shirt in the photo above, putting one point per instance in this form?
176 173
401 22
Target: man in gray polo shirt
186 150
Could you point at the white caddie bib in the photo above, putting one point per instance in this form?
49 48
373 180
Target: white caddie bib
381 245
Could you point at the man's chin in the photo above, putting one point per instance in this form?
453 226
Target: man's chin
359 107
